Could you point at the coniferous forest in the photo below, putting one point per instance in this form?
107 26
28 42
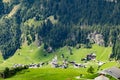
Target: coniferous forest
57 23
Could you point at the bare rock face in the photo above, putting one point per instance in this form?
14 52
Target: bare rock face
110 44
96 38
112 1
99 39
49 49
38 40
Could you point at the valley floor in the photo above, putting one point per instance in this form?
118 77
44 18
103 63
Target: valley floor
53 74
33 54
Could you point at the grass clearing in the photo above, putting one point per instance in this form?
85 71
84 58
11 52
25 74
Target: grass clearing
110 64
102 53
1 58
48 74
6 1
33 22
51 18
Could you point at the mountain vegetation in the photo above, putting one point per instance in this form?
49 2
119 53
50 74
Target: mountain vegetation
58 23
116 50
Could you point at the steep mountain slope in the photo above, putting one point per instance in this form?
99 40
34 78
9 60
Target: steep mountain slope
6 1
57 23
1 58
14 11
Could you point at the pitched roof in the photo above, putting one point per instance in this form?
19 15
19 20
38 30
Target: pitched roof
114 72
101 78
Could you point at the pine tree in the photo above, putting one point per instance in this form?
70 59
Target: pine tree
116 50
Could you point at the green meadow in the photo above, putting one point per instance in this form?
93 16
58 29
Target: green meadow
48 74
54 74
33 54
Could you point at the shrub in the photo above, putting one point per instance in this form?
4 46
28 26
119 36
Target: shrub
10 72
90 69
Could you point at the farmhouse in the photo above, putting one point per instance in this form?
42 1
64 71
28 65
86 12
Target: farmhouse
91 56
114 72
54 62
101 77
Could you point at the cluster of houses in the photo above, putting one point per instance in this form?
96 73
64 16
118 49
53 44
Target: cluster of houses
33 65
91 56
77 65
114 71
36 65
54 63
65 63
18 65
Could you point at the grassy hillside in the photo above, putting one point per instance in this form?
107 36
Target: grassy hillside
1 58
32 22
102 53
26 55
34 54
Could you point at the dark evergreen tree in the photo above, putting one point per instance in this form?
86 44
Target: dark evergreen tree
116 50
1 8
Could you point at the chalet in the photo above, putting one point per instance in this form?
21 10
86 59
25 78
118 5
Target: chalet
91 56
101 77
79 65
54 62
114 72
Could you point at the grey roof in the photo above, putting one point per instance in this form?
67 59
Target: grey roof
114 72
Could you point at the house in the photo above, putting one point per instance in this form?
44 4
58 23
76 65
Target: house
54 62
114 72
101 77
91 56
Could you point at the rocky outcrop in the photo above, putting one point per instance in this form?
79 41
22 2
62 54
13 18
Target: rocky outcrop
96 38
